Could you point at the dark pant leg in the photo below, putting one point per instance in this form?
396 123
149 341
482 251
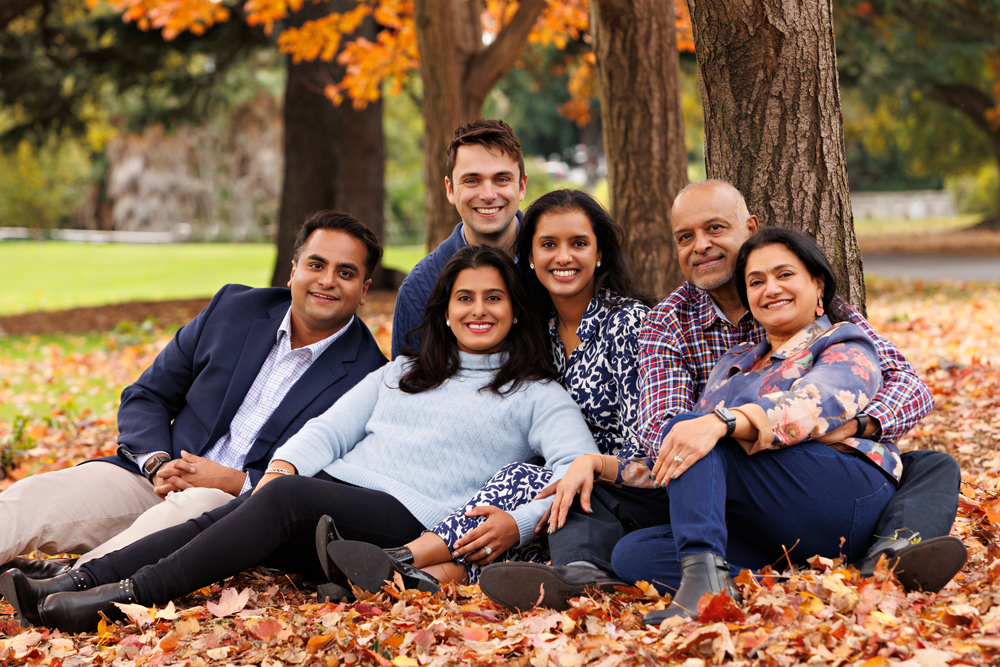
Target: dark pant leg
123 563
275 527
927 499
807 499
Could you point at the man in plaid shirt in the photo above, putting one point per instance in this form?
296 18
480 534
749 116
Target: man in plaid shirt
690 329
679 344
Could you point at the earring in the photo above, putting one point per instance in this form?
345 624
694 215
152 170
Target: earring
515 320
598 263
819 308
447 322
531 266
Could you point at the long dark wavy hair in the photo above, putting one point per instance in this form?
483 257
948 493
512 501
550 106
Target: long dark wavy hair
802 247
615 273
526 347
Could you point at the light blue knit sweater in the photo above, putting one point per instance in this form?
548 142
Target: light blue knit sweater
433 450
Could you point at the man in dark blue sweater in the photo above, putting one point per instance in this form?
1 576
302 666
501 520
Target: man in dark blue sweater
486 183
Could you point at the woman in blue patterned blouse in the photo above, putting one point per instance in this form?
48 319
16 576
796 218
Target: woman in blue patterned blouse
581 280
740 495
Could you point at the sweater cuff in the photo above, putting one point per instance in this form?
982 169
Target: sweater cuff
527 517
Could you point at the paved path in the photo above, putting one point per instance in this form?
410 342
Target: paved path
929 267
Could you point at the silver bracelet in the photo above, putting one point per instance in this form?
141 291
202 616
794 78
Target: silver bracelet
280 471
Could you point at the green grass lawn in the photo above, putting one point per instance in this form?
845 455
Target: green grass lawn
54 275
867 227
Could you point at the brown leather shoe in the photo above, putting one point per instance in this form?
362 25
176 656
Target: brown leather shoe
521 586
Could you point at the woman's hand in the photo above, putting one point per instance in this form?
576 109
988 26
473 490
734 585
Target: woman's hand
268 477
499 532
687 441
579 479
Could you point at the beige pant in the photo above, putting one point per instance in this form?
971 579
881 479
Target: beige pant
79 509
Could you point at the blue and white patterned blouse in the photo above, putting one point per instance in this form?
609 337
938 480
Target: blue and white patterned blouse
602 373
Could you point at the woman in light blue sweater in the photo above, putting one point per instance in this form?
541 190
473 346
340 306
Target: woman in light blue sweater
392 457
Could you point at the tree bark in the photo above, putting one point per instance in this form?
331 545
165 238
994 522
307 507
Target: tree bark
773 125
457 72
638 67
334 155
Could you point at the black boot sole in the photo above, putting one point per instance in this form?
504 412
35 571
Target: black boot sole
369 568
930 564
522 586
326 532
11 589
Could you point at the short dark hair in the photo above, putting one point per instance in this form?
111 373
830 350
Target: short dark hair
526 347
808 253
341 222
491 134
615 273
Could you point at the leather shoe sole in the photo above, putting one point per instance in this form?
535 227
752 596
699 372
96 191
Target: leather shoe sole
369 568
929 564
522 586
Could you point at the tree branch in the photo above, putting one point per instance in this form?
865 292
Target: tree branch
971 101
486 67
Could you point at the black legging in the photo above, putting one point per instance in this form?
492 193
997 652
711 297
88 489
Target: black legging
275 527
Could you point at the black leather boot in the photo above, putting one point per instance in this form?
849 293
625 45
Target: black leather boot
370 567
24 594
81 611
326 532
700 573
38 568
401 554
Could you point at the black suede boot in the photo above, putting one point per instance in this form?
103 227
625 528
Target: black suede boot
24 594
81 611
700 573
38 568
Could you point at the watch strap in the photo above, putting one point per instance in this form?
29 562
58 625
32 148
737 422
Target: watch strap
862 418
729 418
153 465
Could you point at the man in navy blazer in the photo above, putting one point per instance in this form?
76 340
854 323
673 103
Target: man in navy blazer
203 420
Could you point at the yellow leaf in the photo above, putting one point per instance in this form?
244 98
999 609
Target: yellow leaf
403 661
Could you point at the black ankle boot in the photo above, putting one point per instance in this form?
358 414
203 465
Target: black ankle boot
81 611
400 554
700 573
38 568
326 532
369 567
24 594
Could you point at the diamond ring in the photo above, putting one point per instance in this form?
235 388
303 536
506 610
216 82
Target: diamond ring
488 550
678 459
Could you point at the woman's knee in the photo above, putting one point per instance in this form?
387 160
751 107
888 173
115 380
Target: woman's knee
641 554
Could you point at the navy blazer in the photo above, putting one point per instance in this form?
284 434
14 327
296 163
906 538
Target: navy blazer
189 395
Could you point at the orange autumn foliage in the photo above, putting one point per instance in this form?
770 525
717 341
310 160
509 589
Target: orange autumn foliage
393 54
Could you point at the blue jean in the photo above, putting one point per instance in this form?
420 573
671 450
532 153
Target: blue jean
748 509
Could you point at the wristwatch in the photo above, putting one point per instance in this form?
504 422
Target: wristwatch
728 417
153 464
862 418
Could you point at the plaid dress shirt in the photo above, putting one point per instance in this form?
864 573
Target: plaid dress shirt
686 334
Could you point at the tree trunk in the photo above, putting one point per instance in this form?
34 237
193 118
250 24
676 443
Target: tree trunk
334 156
639 72
457 72
773 125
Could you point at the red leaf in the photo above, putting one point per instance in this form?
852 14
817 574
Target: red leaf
721 607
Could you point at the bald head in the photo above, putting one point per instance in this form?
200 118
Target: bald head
710 222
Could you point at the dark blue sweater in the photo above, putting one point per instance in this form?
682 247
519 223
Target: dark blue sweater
416 290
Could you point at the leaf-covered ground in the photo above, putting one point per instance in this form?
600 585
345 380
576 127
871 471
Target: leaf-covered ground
826 615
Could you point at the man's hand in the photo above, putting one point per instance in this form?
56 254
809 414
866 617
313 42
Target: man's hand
191 470
847 430
688 441
499 532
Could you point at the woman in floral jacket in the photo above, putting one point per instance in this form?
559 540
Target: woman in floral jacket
757 475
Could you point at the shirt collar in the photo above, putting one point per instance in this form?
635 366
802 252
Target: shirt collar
463 242
595 314
283 337
795 345
709 312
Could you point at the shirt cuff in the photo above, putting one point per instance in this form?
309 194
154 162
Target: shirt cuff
247 485
527 516
883 417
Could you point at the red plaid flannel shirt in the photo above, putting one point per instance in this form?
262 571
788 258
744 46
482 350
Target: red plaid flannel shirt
684 336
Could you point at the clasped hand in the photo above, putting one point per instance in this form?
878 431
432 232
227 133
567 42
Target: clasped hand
190 471
686 443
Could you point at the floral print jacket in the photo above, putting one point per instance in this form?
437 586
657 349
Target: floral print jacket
816 382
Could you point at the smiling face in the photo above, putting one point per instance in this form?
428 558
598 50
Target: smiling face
486 187
328 284
710 223
480 310
565 254
782 293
